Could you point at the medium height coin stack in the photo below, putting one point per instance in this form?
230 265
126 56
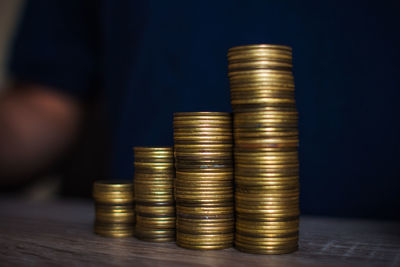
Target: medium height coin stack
114 206
266 142
204 180
154 192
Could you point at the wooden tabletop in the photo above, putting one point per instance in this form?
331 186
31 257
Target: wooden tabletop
60 233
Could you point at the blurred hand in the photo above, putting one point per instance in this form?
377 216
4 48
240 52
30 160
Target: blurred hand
36 126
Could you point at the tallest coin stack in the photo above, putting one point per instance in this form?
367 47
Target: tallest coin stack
266 142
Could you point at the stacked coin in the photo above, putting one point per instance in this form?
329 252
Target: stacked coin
204 180
266 141
154 192
114 205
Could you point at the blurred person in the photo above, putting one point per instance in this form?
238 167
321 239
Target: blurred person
140 61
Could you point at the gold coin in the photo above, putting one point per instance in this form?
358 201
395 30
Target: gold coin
153 186
267 173
282 161
267 240
181 134
201 113
226 126
203 200
250 95
266 115
155 170
200 175
204 189
265 188
114 200
113 193
154 176
257 85
114 208
265 72
155 189
108 219
266 228
204 247
203 117
268 202
267 154
153 149
206 168
114 229
204 138
264 218
267 233
204 141
156 198
158 239
266 47
147 230
203 192
204 146
199 161
206 210
112 185
157 223
204 155
264 134
150 182
256 55
204 237
203 230
283 79
276 73
266 158
266 250
115 234
261 63
270 208
262 167
197 228
267 180
262 123
155 209
115 213
263 107
155 160
224 220
257 183
202 183
195 183
267 209
259 54
205 130
155 165
205 120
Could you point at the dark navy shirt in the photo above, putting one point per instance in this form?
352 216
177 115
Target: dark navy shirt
152 58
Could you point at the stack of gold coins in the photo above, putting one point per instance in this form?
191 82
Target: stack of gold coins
266 142
204 180
114 205
154 192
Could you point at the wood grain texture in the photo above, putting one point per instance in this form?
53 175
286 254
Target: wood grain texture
60 233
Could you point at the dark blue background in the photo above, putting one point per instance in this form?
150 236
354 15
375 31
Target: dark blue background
153 58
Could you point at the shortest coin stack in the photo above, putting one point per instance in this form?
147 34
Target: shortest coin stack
154 185
114 204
